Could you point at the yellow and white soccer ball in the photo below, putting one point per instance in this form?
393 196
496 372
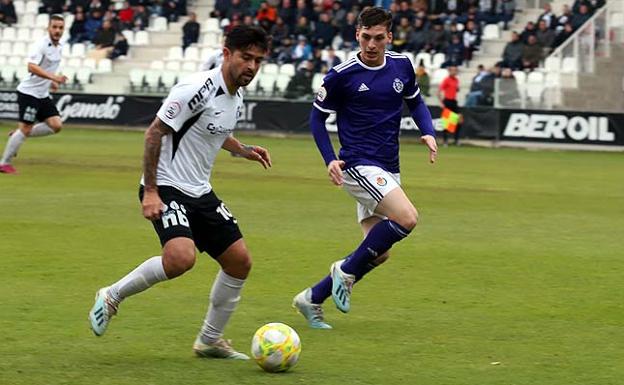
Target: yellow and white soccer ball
276 347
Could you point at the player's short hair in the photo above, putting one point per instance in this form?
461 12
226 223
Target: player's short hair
375 16
245 36
57 17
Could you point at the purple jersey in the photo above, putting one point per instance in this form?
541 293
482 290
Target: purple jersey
368 102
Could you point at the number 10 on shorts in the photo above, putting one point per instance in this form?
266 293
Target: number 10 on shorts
225 213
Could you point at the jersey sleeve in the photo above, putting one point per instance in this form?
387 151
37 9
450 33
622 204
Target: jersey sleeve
411 89
328 95
36 53
180 106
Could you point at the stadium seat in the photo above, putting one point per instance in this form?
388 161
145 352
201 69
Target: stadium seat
37 34
409 55
83 75
15 61
520 77
553 79
66 50
175 53
157 65
535 77
617 19
460 27
281 82
78 50
136 78
205 54
317 80
569 65
42 20
534 92
191 53
552 64
352 54
32 7
267 83
9 34
270 68
70 72
168 78
23 34
211 39
129 36
425 58
75 62
20 7
340 54
3 60
252 87
19 49
491 32
31 47
439 75
90 64
141 38
105 66
27 19
437 60
8 74
5 47
160 24
21 72
189 66
69 20
212 24
173 66
152 79
287 69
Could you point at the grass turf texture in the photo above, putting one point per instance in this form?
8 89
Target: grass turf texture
517 260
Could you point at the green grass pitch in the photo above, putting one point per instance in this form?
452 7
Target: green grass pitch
514 275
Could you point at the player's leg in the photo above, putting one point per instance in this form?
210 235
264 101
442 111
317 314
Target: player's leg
16 139
218 234
49 126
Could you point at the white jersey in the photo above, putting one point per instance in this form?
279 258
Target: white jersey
47 56
203 114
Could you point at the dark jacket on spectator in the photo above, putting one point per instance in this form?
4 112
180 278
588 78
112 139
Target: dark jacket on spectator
7 12
104 37
190 32
512 55
545 38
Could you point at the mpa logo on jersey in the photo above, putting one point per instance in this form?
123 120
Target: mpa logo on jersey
397 84
381 181
173 109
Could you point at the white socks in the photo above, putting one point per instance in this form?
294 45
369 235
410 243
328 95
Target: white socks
12 146
143 277
41 129
224 297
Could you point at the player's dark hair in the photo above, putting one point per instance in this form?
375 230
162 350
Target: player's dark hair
375 16
245 36
57 17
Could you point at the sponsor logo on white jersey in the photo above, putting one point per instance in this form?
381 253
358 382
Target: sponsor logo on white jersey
545 126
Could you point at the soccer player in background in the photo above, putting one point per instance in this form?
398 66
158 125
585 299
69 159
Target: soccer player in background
33 94
194 122
367 94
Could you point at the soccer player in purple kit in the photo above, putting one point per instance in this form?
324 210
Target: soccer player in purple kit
367 94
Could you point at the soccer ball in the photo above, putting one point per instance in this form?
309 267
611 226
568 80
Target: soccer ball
276 347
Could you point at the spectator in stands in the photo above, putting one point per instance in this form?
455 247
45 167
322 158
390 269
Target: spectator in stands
190 31
7 12
302 28
96 5
347 31
545 36
324 31
279 31
471 38
78 5
566 17
531 53
418 37
422 77
266 16
331 60
141 18
529 30
302 51
288 13
283 53
437 39
404 11
339 14
592 6
237 8
51 6
301 84
303 9
482 87
104 41
220 9
120 48
547 16
448 98
512 55
78 31
578 19
249 20
563 35
505 11
126 16
93 23
508 94
171 9
595 5
401 34
455 52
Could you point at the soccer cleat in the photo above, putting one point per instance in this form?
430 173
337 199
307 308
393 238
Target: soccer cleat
102 311
342 284
312 312
7 169
219 349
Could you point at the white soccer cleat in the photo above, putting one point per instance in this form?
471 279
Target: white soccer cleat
219 349
102 311
342 284
312 312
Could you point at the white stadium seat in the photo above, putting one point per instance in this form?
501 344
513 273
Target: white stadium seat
141 38
425 58
21 72
6 47
157 65
317 80
287 69
75 62
9 34
212 24
175 53
160 24
520 77
20 7
534 92
8 74
70 72
553 79
83 75
32 7
27 19
23 34
281 82
66 50
617 19
15 61
211 39
42 20
352 54
270 68
37 34
90 64
439 75
191 53
491 32
437 60
173 66
189 66
78 50
19 49
340 54
105 66
267 82
569 65
552 64
129 35
535 77
69 20
252 87
206 53
136 78
152 79
168 78
3 60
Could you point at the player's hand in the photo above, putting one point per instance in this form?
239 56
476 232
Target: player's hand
334 169
260 155
152 205
60 79
433 147
54 86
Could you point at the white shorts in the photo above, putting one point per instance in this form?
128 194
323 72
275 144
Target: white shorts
368 185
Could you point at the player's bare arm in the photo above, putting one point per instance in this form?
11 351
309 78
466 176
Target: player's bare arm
430 141
152 204
334 170
255 153
36 70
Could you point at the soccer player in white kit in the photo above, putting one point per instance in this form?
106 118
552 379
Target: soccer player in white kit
194 122
33 94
